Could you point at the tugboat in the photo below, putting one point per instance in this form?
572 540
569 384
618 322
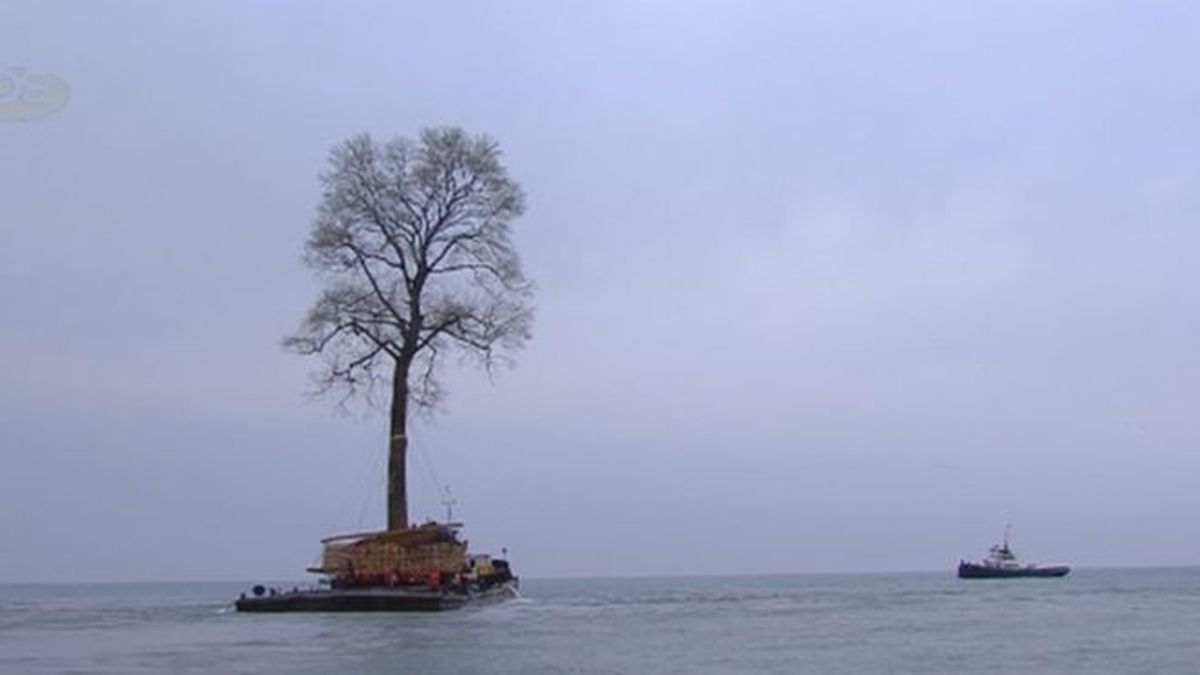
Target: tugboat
1001 563
419 569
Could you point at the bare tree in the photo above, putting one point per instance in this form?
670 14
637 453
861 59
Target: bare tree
412 240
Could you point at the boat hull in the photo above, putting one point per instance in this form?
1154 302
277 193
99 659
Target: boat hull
375 599
972 571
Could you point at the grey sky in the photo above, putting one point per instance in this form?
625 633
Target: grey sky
822 286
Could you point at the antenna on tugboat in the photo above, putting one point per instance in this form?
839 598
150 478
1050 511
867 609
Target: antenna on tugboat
449 501
1007 527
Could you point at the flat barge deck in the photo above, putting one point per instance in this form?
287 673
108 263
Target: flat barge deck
381 599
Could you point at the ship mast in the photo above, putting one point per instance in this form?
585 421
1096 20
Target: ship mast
449 501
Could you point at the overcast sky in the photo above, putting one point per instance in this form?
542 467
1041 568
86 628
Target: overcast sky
822 286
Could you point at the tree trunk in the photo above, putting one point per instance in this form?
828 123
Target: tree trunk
397 486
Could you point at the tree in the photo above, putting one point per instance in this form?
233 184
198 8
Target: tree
412 241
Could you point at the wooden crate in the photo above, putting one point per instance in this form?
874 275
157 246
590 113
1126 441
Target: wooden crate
406 555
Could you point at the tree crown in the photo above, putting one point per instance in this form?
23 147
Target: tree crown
413 241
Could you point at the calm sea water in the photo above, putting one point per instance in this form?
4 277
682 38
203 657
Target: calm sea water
1095 621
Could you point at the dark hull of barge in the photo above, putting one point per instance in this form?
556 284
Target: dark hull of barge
376 599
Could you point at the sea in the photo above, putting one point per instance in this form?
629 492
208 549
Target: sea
1093 621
